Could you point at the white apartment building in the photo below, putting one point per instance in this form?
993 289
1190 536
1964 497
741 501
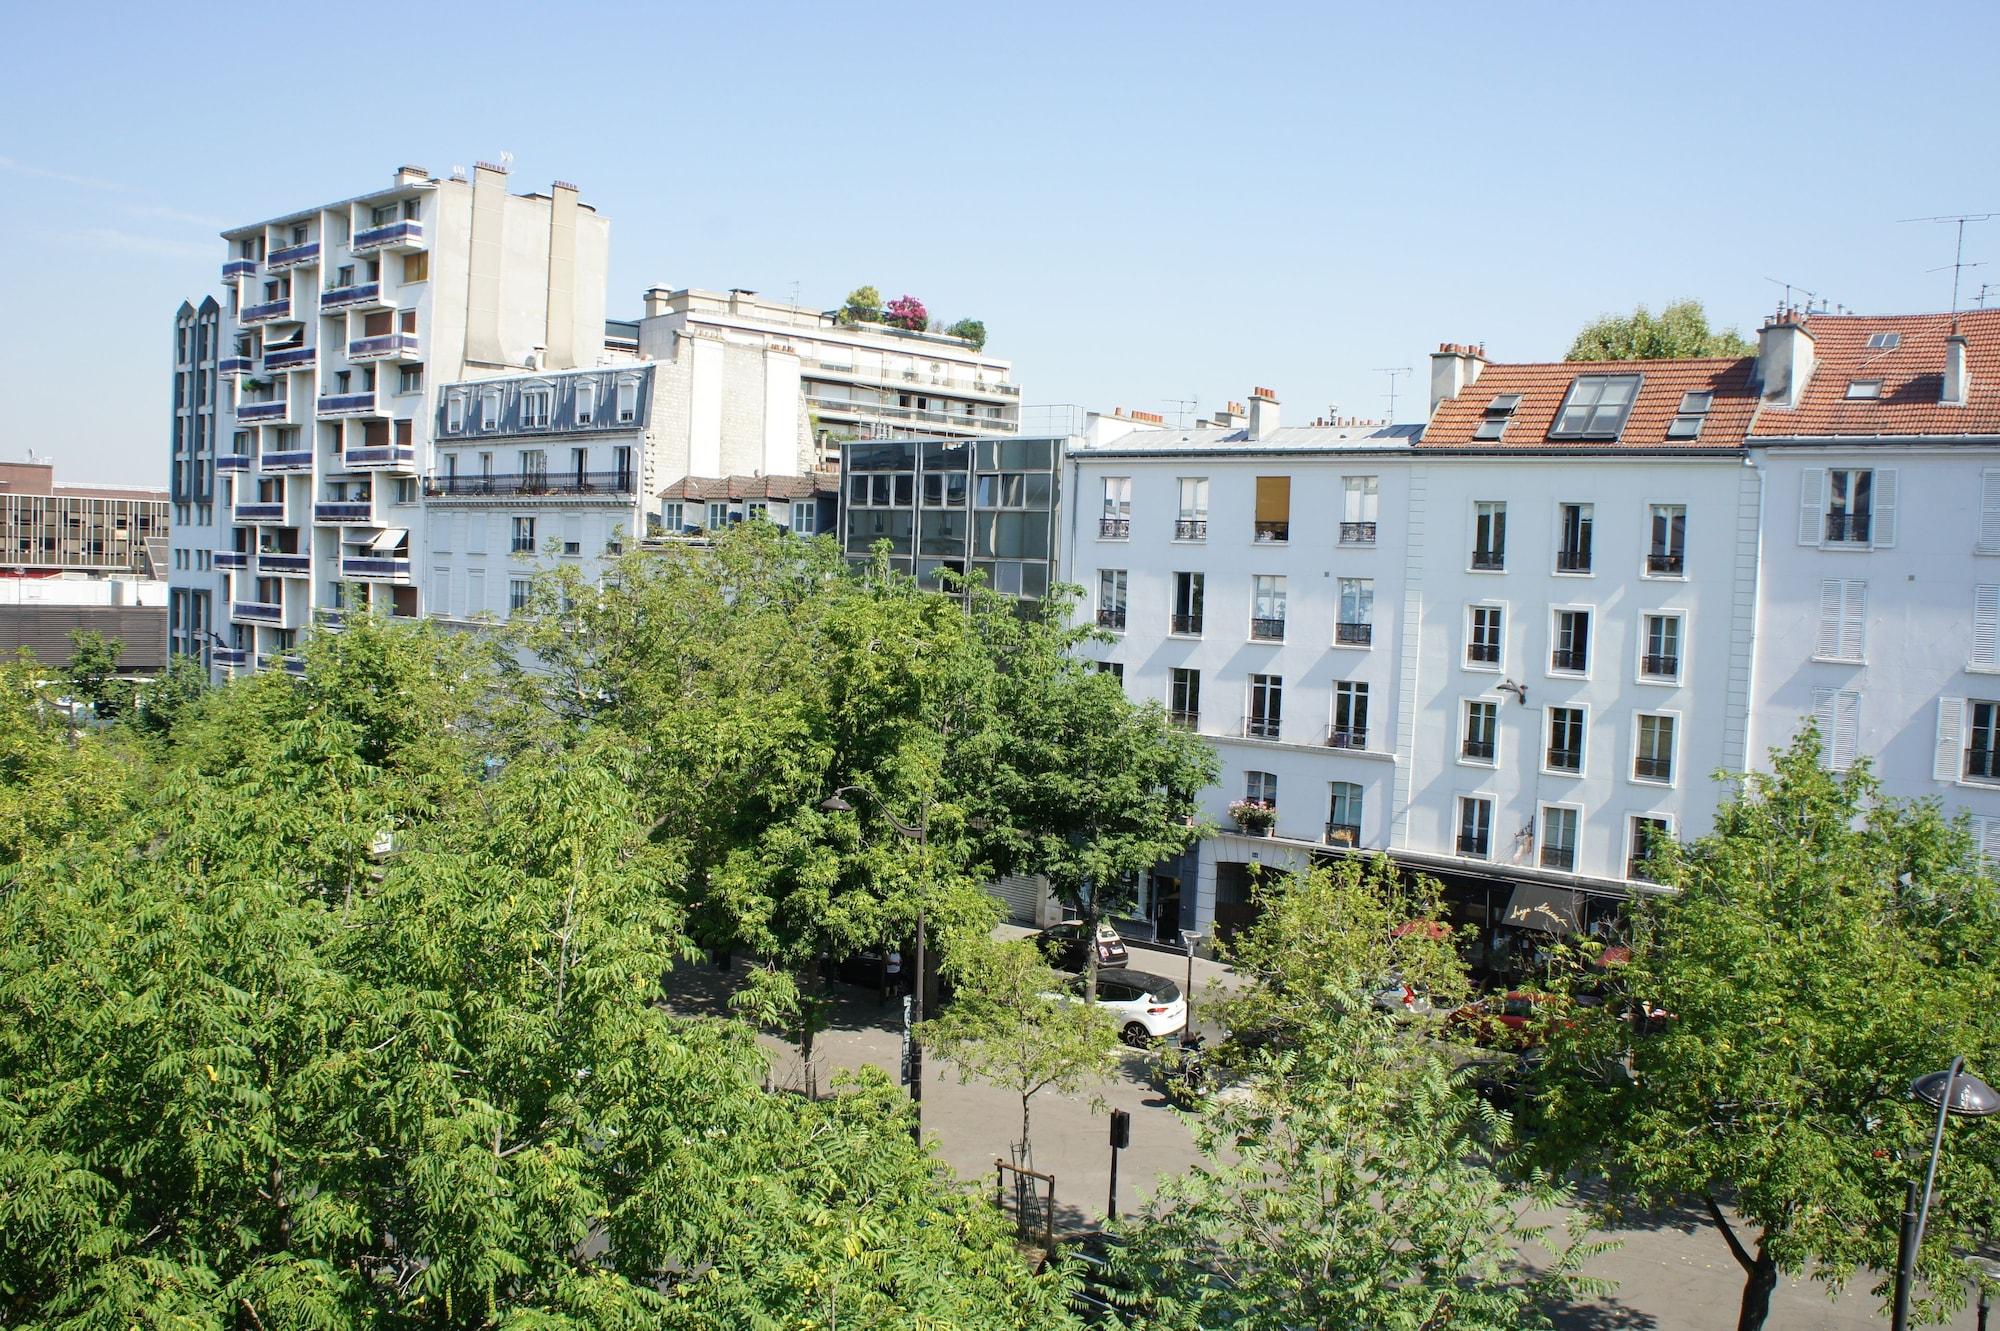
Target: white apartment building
198 596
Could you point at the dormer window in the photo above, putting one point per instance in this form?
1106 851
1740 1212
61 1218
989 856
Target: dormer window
1884 341
1693 411
1864 390
1498 412
1596 407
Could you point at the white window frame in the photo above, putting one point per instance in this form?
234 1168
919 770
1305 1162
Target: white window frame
1480 507
1465 731
1548 734
1631 840
586 401
628 400
1646 540
1632 776
1465 661
805 517
489 409
1262 597
1118 498
1542 811
1195 510
1842 639
1816 506
1680 659
454 412
1589 612
537 407
1458 823
1367 616
1589 507
1357 805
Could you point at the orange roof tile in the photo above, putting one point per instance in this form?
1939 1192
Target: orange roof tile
1543 386
1912 376
701 488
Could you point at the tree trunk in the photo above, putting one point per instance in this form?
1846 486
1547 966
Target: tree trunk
808 1027
1757 1293
1090 951
1027 1155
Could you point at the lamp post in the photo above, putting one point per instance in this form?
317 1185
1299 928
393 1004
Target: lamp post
1953 1091
1187 1031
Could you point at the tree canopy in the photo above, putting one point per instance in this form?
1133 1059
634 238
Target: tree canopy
1678 330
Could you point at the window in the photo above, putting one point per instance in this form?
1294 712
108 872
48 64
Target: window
1115 669
673 515
1667 556
524 536
416 267
628 400
1489 534
1565 751
1192 522
1111 599
1116 521
1350 716
1653 759
1843 620
534 468
1184 697
1274 508
1475 826
757 510
1482 639
1981 720
1848 506
1361 500
1864 390
1261 787
1648 833
805 517
586 401
1837 716
1688 419
1558 837
1595 407
517 594
410 379
1267 697
718 514
535 408
1573 556
1571 652
1989 512
1660 650
454 413
945 489
1884 341
1481 742
1267 608
1357 609
1493 422
1343 814
382 214
1189 592
489 409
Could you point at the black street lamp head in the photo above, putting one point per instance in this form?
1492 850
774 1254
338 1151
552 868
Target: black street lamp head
1970 1097
835 804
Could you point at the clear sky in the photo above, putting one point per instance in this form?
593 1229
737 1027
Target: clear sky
1144 202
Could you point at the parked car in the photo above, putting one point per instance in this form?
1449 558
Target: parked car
1400 999
1146 1007
1061 946
1514 1020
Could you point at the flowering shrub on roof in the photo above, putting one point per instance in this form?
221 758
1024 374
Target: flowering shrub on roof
907 312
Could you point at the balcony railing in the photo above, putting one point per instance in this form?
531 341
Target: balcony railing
235 268
1267 630
1572 561
262 612
264 411
1647 768
237 559
1343 834
1845 528
344 298
404 234
385 346
1346 737
265 313
256 511
280 561
1559 857
1565 760
532 483
348 404
1479 750
233 365
1354 635
1660 667
1474 844
1661 564
1573 659
1982 764
1635 869
373 566
230 656
1111 619
1489 559
291 460
1114 529
1188 624
1274 532
1260 727
1190 529
1482 653
344 510
1185 720
1357 533
293 256
232 462
285 661
379 455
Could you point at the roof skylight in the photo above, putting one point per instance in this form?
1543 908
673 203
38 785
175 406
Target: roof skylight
1693 411
1596 407
1498 412
1864 390
1884 341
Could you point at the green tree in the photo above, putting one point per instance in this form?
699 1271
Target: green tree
1353 1180
862 306
161 703
972 330
1007 1025
1825 946
93 671
1679 330
57 788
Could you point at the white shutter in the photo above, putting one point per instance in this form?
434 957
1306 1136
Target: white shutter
1950 739
1884 523
1827 647
1812 505
1987 833
1986 625
1846 729
1989 511
440 590
1823 708
475 533
1854 620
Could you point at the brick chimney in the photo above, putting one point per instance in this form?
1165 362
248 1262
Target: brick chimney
1263 413
1957 377
1784 359
1455 366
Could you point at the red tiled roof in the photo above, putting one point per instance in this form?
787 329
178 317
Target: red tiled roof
1912 378
1543 386
704 488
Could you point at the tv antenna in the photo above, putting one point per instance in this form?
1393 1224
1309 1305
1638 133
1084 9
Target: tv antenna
1958 263
795 292
1392 371
506 161
1814 300
1182 406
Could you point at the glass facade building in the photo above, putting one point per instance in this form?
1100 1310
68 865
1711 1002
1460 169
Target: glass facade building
984 506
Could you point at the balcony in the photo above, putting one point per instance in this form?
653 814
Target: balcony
290 358
1346 737
387 346
1478 750
230 656
1343 834
532 483
1662 565
1847 528
1559 857
298 459
1114 529
350 404
256 612
375 567
293 256
285 661
269 312
1354 635
1260 727
1489 560
1188 624
283 562
232 462
251 413
399 457
402 235
1572 561
1267 630
1646 768
1191 529
345 511
1569 660
231 366
1273 533
1357 533
257 511
232 559
1566 760
1112 619
1660 667
235 268
1482 653
1185 720
1473 844
366 295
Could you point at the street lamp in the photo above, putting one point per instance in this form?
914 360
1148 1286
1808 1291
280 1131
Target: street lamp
1953 1091
1191 937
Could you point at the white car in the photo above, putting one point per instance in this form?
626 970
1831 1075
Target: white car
1146 1007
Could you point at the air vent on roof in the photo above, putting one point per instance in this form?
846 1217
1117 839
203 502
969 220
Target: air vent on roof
1864 390
1693 411
1498 412
1884 341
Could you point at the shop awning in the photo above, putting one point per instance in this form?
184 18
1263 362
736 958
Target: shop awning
1553 910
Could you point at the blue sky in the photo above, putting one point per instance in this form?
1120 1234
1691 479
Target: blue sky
1144 202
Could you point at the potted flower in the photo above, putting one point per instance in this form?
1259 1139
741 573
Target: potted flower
1254 817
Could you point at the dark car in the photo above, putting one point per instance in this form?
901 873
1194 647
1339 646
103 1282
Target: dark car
1061 946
